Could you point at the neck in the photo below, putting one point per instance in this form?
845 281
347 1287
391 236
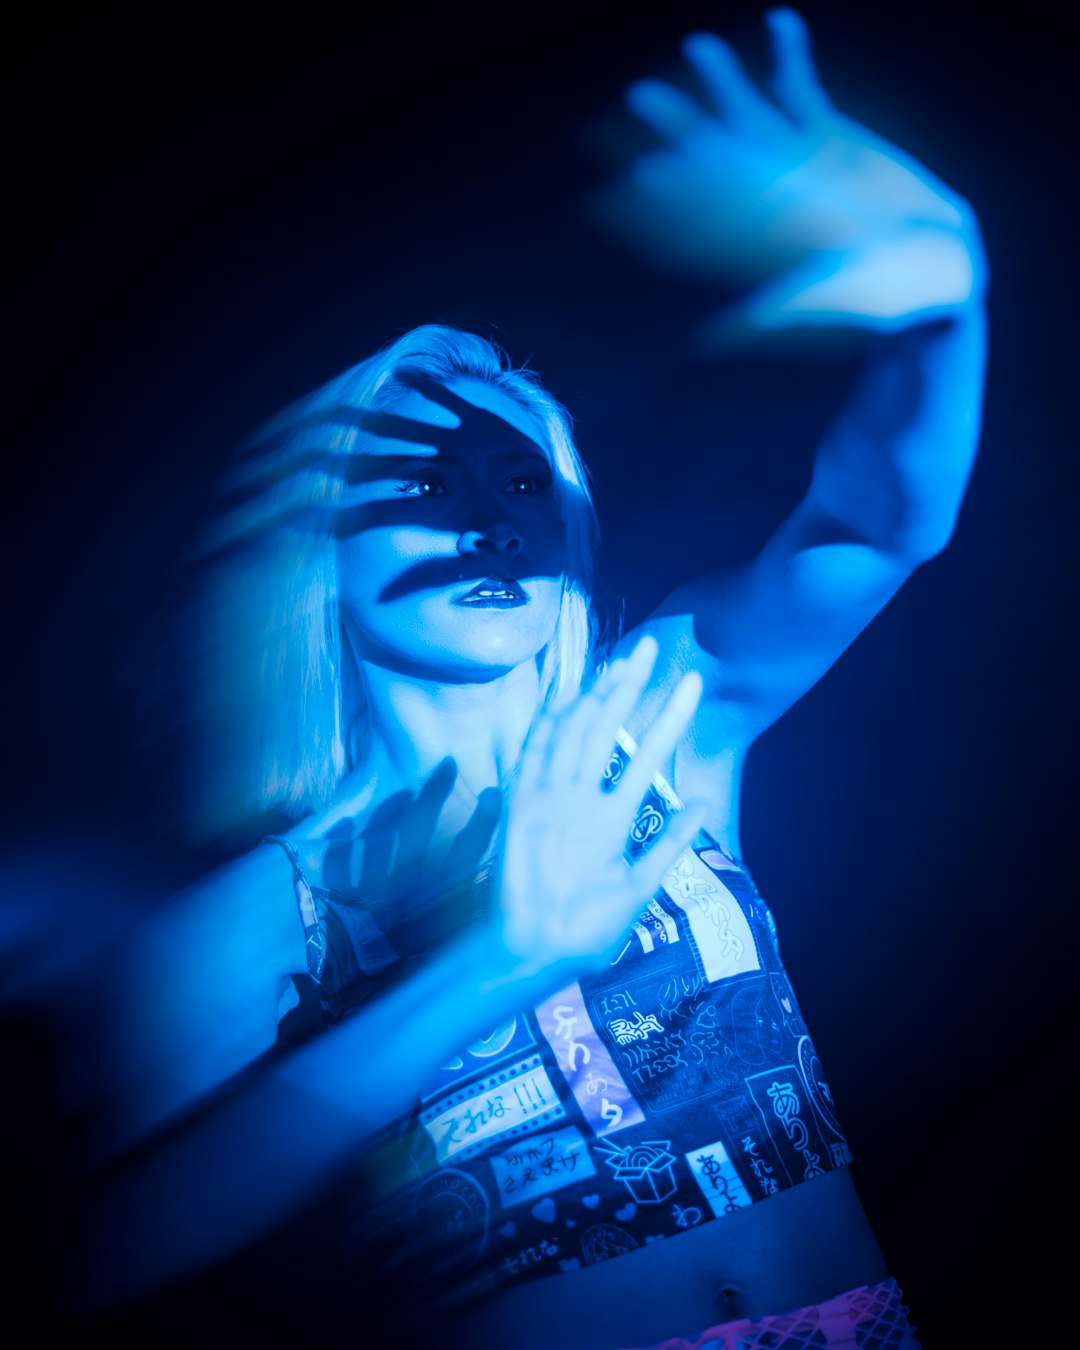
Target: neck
413 723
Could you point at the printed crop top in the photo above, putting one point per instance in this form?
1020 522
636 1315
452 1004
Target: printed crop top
673 1088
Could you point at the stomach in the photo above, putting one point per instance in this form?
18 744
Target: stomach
799 1247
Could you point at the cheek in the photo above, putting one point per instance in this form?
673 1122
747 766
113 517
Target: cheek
545 536
376 553
364 566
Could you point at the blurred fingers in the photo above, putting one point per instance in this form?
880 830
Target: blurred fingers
667 110
731 90
795 79
532 770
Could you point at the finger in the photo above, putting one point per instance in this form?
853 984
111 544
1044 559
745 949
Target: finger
658 743
667 110
731 90
795 79
532 767
923 273
598 708
587 744
601 736
678 835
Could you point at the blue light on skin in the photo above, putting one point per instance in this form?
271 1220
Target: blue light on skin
817 220
441 519
428 521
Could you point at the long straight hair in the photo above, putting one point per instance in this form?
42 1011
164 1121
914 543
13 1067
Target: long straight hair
285 589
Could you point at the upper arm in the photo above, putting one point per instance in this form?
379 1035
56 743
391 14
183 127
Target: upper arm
762 635
887 486
768 631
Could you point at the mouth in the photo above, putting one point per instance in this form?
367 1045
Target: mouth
494 593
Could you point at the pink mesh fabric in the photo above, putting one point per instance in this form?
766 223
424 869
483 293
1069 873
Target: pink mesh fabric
872 1317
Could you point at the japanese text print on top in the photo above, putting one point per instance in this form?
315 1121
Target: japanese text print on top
668 1091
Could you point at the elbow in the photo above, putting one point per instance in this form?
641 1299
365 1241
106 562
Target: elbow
918 542
914 535
903 526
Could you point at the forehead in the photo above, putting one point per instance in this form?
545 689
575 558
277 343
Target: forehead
465 416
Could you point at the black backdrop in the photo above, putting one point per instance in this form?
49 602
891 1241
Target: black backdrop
210 219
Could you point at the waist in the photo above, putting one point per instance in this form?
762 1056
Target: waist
802 1246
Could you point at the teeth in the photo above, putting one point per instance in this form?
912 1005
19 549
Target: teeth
485 591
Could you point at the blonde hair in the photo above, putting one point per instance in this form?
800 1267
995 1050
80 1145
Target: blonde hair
284 590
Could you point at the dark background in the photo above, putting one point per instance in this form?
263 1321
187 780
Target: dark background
211 219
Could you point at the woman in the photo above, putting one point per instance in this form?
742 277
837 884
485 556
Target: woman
561 1028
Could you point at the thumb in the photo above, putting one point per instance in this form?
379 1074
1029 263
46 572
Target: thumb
919 273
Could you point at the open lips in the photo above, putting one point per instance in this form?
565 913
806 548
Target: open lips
499 592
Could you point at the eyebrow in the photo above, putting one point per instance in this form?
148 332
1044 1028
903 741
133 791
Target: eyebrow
394 463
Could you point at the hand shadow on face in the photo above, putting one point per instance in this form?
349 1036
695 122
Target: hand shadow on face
290 479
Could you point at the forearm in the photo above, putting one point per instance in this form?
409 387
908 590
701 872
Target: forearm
266 1144
894 467
264 1147
194 993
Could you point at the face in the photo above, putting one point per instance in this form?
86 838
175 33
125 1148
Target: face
452 551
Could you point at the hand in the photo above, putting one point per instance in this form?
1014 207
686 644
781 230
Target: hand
828 221
565 889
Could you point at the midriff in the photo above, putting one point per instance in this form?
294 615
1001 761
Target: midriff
798 1247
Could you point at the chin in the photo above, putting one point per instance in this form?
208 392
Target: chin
459 645
481 662
463 658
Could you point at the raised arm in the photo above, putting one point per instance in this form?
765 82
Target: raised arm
825 225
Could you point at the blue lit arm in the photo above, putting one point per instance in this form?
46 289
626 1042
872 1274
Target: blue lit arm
822 224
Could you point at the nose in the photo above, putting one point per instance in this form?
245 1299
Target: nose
499 537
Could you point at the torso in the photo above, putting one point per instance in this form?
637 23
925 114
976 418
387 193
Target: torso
800 1247
803 1244
672 1105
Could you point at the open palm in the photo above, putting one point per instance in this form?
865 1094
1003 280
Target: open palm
827 221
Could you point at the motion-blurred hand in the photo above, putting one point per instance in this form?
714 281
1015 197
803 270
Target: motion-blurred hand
825 221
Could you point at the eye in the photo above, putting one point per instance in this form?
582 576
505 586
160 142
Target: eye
421 487
527 483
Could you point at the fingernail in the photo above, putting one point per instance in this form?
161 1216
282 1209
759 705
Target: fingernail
702 41
646 649
783 15
689 688
642 93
